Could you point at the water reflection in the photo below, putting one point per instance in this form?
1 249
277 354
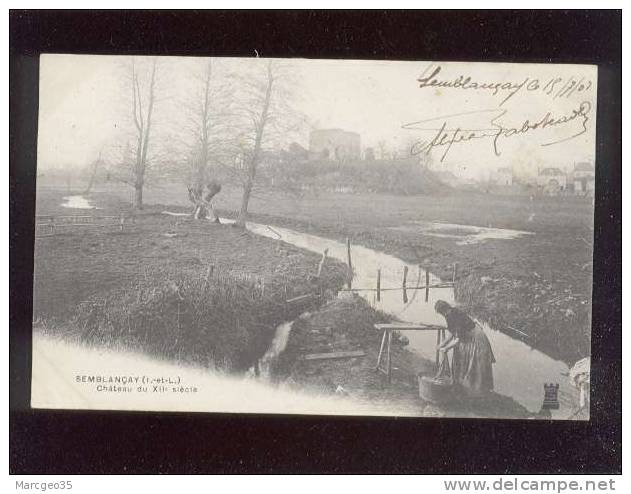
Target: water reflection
77 202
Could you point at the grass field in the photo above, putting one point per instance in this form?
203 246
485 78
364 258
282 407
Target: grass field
144 290
538 285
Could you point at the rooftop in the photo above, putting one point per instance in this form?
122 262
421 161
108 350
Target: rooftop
551 172
583 167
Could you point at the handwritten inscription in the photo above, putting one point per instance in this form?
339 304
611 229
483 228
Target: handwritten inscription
555 87
447 131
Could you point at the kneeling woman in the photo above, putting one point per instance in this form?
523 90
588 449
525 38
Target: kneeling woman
473 357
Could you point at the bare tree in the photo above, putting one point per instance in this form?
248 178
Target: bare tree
265 115
207 115
259 118
94 167
142 122
384 154
204 126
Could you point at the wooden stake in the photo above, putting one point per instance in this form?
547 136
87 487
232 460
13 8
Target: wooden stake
453 278
378 285
382 348
426 285
321 265
350 264
405 278
389 356
209 273
438 340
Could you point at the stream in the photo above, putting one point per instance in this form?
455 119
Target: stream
520 371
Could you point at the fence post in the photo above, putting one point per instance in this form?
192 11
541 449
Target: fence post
438 341
405 278
378 285
209 273
453 277
426 285
350 264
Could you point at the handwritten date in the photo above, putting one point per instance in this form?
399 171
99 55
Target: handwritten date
555 87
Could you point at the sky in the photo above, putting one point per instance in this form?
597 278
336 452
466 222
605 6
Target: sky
83 108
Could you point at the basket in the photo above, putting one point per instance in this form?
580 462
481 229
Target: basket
438 388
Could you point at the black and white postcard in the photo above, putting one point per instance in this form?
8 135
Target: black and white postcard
302 236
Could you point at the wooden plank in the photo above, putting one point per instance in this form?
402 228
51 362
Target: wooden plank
301 297
388 289
409 327
334 355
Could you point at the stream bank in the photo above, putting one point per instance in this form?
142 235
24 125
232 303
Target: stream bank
516 285
187 291
520 371
347 324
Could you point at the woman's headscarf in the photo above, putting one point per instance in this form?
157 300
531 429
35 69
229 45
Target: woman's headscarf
442 307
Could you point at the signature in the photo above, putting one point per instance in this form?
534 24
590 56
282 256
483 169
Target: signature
446 136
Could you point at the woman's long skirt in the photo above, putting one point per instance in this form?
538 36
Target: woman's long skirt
473 362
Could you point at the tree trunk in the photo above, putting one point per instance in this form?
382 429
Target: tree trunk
247 190
204 134
260 128
91 182
95 166
138 196
143 127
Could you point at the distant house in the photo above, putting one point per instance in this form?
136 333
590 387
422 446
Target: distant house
447 177
450 178
584 178
552 180
298 150
502 176
334 144
295 153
